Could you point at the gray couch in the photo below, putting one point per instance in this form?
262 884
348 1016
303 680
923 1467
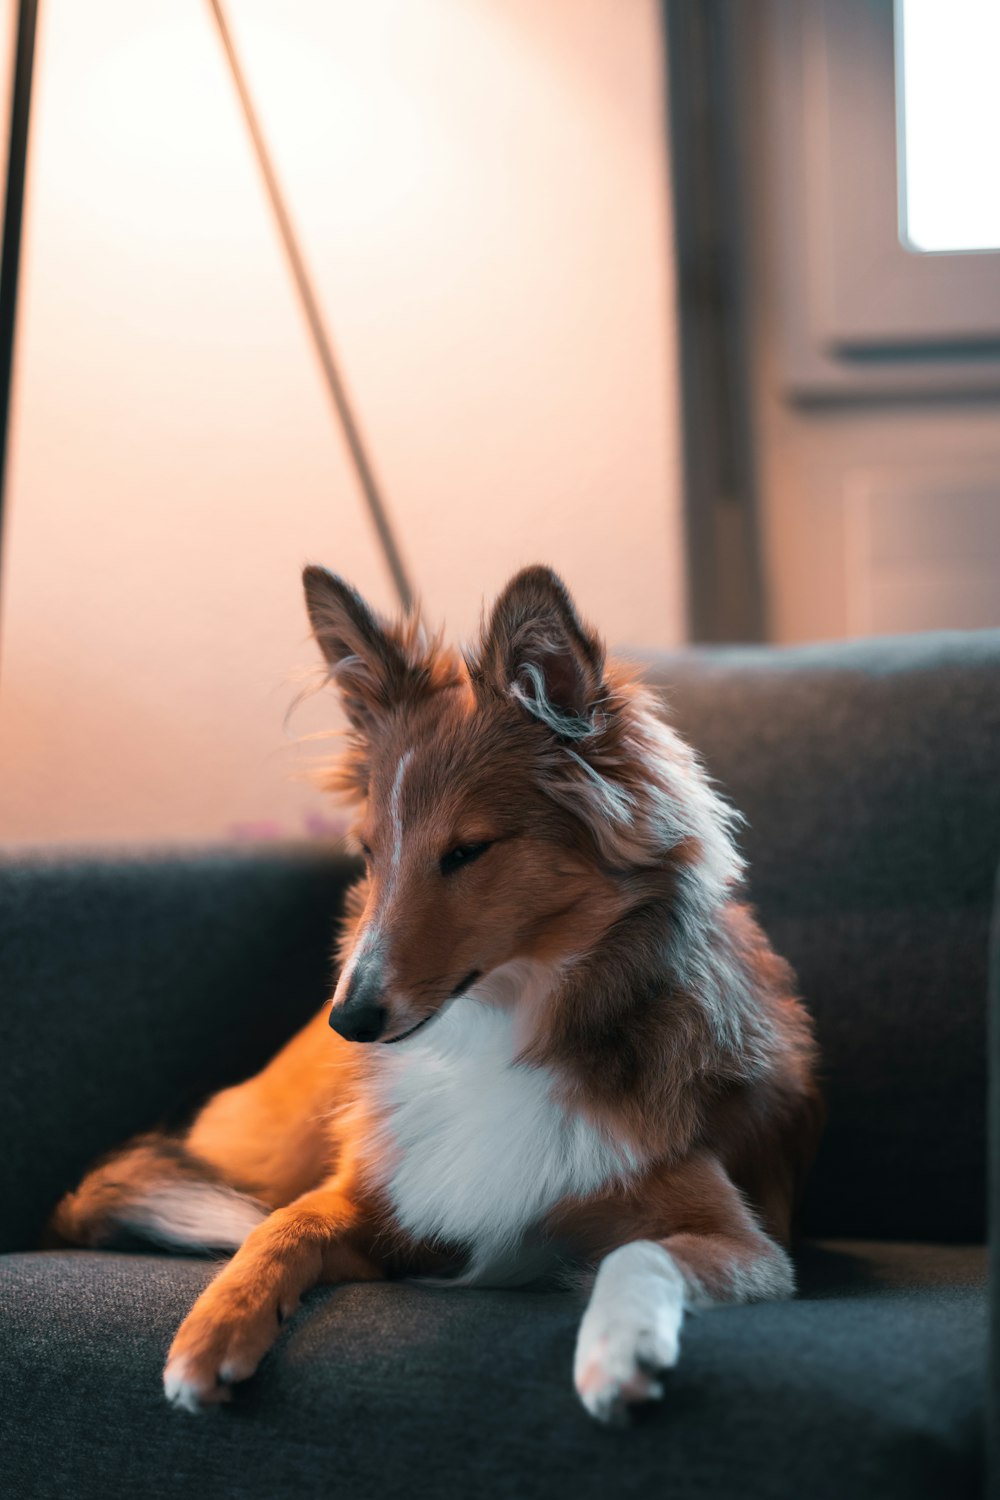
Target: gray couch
870 776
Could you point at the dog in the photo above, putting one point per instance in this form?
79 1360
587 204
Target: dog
559 1043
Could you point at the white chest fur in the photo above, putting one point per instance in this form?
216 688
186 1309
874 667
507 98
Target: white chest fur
474 1147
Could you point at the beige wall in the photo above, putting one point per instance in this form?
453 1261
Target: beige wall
481 188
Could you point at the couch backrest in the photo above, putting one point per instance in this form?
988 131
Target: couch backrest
131 987
870 775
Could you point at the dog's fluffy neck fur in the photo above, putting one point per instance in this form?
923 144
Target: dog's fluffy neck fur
471 1144
656 1018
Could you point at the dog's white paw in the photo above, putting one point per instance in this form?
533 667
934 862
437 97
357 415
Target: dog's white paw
185 1386
221 1342
630 1332
195 1383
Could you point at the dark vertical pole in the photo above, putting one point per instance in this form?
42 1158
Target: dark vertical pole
24 59
322 343
725 596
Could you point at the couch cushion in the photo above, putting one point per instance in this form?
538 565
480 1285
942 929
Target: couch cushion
870 1384
132 987
868 772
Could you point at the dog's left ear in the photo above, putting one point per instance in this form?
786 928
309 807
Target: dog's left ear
536 650
366 656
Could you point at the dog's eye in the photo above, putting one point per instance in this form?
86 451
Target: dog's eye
365 850
463 854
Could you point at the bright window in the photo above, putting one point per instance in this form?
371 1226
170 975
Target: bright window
948 124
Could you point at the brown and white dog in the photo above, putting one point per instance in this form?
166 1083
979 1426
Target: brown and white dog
557 1037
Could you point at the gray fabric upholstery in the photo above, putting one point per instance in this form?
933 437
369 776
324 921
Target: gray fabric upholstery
993 1414
131 987
871 1384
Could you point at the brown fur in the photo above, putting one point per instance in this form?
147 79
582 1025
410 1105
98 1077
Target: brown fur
674 1026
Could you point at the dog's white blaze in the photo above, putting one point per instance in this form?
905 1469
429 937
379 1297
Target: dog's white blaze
194 1215
366 941
370 936
395 811
474 1147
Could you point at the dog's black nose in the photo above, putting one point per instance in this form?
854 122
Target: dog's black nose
359 1023
361 1016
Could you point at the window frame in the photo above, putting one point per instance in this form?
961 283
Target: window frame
861 313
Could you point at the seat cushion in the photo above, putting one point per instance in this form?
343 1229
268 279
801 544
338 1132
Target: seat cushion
870 1384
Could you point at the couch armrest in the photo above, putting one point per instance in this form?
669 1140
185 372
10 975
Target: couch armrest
993 1395
132 986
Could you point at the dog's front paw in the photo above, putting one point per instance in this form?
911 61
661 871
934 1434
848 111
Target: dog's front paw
630 1332
221 1341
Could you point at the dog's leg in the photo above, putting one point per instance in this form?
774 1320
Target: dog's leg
237 1317
703 1247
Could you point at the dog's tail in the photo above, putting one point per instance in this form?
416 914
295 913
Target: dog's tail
155 1189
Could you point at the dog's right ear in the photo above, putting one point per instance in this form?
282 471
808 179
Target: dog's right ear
536 650
363 654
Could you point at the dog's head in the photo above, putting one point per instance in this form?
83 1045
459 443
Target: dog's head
502 798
